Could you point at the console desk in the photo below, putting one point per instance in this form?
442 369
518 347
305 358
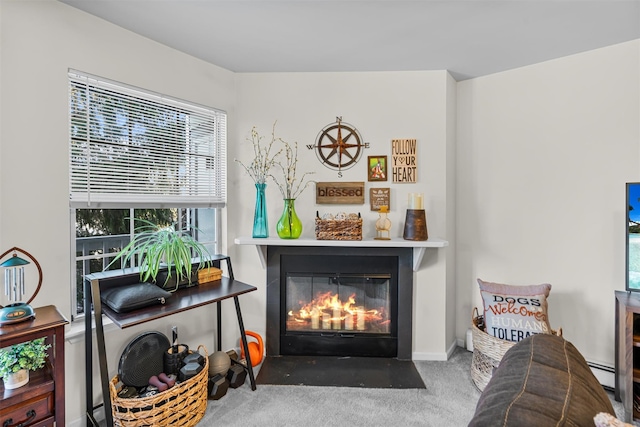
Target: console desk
181 300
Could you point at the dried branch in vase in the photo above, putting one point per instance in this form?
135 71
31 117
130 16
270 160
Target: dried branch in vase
259 168
289 186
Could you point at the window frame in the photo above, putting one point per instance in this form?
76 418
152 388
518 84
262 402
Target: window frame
216 165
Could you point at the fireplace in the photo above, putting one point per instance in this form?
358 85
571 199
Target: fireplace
339 301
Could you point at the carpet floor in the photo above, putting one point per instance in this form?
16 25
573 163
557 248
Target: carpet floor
448 399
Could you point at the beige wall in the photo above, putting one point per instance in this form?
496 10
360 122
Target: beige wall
543 155
40 41
383 106
523 171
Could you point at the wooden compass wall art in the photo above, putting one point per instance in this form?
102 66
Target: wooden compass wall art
339 146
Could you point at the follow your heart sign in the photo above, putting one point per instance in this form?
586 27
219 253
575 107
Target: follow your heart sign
404 160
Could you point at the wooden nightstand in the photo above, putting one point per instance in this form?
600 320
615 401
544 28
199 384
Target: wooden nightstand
41 401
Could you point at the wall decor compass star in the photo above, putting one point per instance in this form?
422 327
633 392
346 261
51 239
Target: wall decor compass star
339 146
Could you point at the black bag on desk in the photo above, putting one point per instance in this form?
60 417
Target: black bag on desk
130 297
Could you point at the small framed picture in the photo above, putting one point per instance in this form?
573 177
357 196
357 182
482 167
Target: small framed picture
377 168
379 197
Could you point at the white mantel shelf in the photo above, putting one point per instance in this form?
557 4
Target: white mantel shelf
419 247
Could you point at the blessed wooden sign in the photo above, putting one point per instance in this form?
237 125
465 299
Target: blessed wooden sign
340 193
404 162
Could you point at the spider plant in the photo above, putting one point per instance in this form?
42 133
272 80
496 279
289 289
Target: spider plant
159 246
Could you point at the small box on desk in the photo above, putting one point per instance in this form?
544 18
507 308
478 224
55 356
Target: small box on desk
210 274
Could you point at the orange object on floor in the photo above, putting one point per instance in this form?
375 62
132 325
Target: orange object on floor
256 350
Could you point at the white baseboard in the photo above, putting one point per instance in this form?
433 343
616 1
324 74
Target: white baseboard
605 374
98 414
429 356
440 356
464 344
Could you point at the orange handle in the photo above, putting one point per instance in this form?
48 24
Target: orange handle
256 350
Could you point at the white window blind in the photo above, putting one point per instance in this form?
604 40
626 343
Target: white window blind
133 148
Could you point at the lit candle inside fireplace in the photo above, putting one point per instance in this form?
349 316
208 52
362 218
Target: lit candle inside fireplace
326 320
360 324
337 318
315 319
348 322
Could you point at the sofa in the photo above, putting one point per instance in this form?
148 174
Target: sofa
541 381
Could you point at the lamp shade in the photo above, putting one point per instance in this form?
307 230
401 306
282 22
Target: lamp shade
15 288
14 273
14 261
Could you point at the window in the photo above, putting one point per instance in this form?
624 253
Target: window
138 154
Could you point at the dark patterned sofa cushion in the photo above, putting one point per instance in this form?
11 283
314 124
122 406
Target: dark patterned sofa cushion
541 381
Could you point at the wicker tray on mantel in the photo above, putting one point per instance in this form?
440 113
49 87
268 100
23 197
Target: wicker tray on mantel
349 228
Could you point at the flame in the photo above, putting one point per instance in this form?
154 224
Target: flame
328 311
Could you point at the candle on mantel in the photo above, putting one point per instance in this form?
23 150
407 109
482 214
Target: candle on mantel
416 201
326 320
315 319
348 322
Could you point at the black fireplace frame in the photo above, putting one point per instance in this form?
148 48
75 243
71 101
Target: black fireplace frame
402 341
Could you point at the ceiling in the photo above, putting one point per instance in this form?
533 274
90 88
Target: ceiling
470 38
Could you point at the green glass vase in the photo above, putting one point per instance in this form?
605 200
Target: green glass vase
289 226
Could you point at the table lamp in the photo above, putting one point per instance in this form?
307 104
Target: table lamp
15 288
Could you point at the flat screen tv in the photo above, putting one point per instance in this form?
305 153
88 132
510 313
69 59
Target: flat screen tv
633 237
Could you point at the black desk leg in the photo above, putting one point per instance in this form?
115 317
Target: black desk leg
88 351
244 343
219 314
102 354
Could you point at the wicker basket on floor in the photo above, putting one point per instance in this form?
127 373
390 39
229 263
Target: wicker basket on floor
183 404
487 351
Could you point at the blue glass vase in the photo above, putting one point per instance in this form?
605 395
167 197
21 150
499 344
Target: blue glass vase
260 223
